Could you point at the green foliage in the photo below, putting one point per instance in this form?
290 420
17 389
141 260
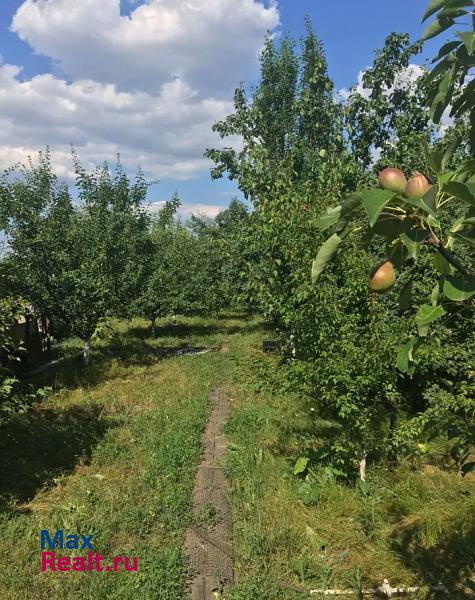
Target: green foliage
450 83
37 214
300 164
10 309
439 221
405 523
426 231
192 268
15 396
78 263
108 236
389 113
290 120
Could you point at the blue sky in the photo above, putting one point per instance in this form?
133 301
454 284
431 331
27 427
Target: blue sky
151 100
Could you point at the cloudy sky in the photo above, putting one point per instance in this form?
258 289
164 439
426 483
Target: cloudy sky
147 78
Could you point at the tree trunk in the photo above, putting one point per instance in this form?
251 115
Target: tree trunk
293 348
363 467
87 352
392 456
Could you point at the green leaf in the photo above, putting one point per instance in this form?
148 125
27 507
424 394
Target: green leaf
300 465
434 297
467 236
430 197
348 208
446 48
422 205
349 204
436 27
412 247
364 487
439 104
433 7
436 5
325 255
443 178
398 254
441 264
374 201
438 71
466 167
434 158
460 190
468 38
465 101
329 219
391 227
455 8
309 493
413 239
428 314
405 297
449 152
459 287
405 354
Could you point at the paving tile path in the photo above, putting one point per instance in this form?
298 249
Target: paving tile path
208 544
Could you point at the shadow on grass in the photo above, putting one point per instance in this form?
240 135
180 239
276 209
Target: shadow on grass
71 372
43 444
178 330
450 561
136 346
40 445
186 330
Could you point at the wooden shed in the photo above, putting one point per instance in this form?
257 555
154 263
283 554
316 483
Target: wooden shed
33 331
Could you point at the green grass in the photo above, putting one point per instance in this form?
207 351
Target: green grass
413 526
112 451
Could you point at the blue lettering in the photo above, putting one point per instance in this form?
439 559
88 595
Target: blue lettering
86 541
46 539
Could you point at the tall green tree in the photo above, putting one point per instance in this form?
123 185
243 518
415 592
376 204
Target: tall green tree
285 167
291 119
78 263
37 215
154 298
225 247
388 116
424 235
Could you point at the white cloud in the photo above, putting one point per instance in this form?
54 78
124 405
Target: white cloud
187 209
404 80
409 76
149 85
211 44
166 133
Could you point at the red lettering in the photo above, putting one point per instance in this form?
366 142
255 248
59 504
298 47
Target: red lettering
79 563
117 560
47 559
64 563
98 559
134 565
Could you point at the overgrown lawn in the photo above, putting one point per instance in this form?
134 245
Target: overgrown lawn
112 451
412 524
